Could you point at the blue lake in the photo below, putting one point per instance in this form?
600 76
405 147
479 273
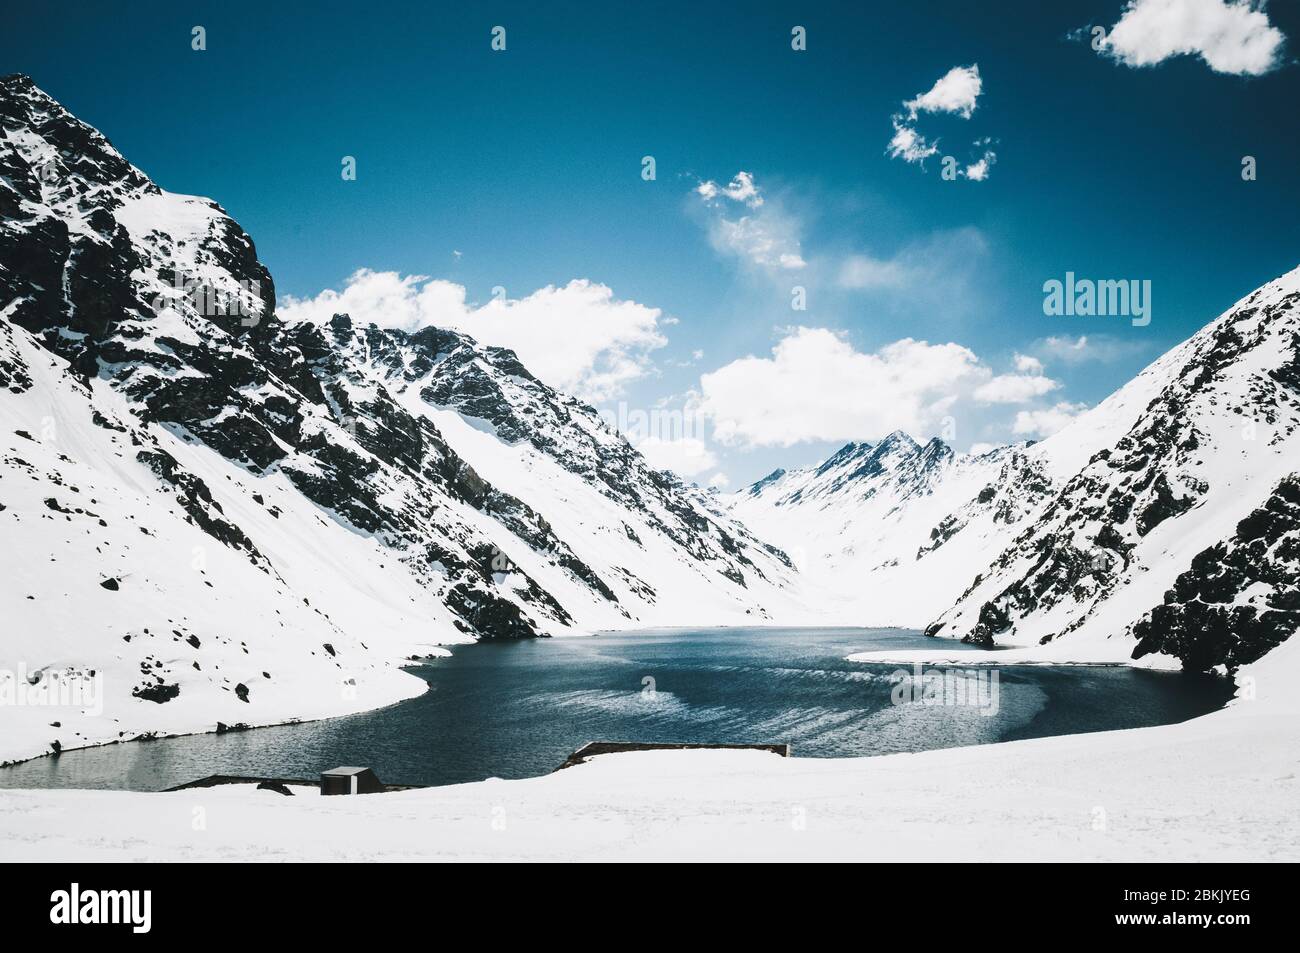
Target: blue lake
518 709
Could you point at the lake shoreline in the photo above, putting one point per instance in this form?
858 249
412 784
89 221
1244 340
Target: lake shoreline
828 703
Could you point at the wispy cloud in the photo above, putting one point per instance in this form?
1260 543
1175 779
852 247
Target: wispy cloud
1086 348
940 264
908 144
863 272
744 225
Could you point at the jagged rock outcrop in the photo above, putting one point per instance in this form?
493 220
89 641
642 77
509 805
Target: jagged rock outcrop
1239 598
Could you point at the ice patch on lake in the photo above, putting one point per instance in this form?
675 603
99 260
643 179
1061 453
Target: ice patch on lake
807 674
797 723
653 704
897 727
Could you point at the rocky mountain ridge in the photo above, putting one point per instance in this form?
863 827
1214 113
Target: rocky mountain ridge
310 504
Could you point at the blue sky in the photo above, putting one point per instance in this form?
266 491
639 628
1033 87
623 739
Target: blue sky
522 169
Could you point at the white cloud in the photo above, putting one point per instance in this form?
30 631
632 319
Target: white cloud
720 480
816 386
908 144
1231 36
954 92
606 342
979 170
685 456
1015 388
741 188
1028 364
1044 423
762 235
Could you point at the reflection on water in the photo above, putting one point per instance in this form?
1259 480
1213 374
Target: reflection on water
518 709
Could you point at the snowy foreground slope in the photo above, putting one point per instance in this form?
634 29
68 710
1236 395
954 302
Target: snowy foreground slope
1222 787
1162 524
210 516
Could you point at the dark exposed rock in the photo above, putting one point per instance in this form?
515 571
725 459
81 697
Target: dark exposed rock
1164 506
1204 621
196 499
156 692
993 619
946 530
488 614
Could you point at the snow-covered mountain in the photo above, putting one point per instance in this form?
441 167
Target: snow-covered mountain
221 518
881 531
1189 509
1163 521
230 519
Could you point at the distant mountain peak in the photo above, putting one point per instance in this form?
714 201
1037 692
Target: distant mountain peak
899 438
758 485
851 449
